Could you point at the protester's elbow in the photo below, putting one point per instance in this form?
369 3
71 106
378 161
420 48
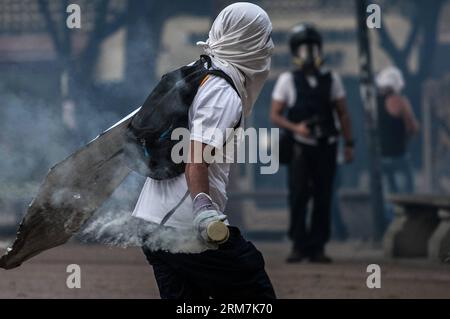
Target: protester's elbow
273 118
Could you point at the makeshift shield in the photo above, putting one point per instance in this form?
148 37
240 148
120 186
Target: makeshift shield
72 191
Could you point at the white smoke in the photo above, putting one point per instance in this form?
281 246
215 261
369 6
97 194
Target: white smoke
4 245
123 230
114 225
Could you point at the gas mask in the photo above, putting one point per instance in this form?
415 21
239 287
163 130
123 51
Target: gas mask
309 57
305 43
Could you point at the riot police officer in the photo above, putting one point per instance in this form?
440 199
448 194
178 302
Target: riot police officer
315 100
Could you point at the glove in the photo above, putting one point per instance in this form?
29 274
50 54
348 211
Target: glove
208 221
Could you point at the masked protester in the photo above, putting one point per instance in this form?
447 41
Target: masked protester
240 47
397 124
316 111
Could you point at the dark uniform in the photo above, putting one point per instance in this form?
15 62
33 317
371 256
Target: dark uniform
313 167
311 93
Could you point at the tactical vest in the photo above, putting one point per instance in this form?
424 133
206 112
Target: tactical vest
314 105
166 108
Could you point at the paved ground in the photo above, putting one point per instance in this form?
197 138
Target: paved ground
123 273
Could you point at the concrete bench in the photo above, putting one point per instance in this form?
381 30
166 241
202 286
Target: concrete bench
421 227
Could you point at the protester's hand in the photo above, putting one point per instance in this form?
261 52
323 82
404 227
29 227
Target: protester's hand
208 221
211 227
302 129
348 154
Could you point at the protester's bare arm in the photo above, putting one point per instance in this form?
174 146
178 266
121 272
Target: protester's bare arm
276 116
346 124
207 219
412 125
197 170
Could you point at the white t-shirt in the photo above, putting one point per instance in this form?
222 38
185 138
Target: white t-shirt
215 108
285 91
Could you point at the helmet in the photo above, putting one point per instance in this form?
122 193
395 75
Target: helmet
301 34
305 43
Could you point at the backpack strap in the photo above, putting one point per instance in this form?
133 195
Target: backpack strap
172 211
207 60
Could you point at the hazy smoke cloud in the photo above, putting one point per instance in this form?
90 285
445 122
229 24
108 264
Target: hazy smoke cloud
113 225
33 139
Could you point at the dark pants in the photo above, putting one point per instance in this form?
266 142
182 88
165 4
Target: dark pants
234 271
311 175
394 170
394 167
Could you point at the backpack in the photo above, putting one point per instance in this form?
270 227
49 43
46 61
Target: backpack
149 145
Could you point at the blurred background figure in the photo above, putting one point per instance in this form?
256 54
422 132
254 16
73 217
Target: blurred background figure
315 97
397 124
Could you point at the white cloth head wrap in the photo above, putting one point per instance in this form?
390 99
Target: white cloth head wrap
240 44
391 77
